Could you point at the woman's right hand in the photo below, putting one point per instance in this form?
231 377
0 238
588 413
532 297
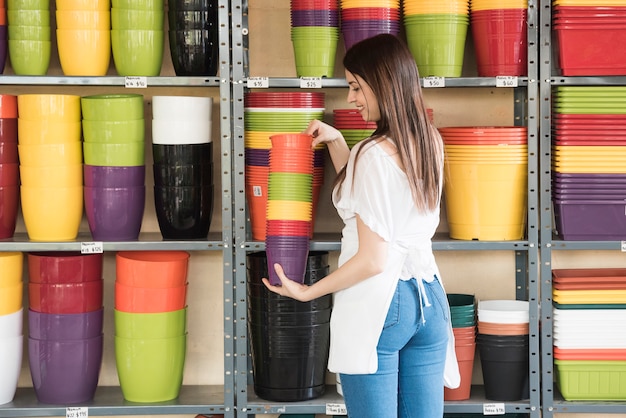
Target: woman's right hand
334 140
323 133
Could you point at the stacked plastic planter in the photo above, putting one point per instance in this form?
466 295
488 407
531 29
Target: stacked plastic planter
114 169
289 339
266 114
480 163
183 165
502 342
499 32
463 318
314 35
289 205
150 323
51 159
588 162
584 32
436 34
65 325
364 19
3 36
9 166
137 37
11 323
29 35
352 126
589 351
193 30
84 38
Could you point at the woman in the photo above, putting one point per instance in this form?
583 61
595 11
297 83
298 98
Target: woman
390 325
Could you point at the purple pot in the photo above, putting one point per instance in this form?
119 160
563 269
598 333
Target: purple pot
52 326
65 371
291 252
114 176
115 214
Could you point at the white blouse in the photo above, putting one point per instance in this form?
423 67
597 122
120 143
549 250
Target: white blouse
380 195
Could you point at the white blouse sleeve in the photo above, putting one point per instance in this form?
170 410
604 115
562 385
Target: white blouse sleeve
371 193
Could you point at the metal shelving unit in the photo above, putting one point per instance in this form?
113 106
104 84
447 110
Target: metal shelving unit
200 399
526 251
552 401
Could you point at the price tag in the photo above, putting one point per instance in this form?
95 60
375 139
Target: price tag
336 409
135 82
506 81
91 248
310 82
77 412
493 409
257 191
430 82
258 82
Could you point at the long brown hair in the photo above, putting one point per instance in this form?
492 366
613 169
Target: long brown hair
385 63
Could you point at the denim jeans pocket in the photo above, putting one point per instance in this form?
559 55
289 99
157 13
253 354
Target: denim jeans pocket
393 314
435 290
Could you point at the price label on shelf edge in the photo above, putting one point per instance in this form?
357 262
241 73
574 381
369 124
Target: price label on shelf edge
91 248
493 409
434 82
258 82
506 81
310 82
77 412
135 82
336 409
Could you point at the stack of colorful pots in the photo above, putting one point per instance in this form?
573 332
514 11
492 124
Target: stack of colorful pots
84 37
500 36
289 204
183 188
266 114
588 162
364 19
502 342
314 35
150 323
9 166
114 169
585 31
193 37
29 35
3 36
11 323
480 163
352 126
463 318
436 33
51 156
589 355
137 37
65 325
289 340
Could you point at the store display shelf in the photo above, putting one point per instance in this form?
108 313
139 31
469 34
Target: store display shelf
118 81
595 407
110 401
281 82
84 242
332 401
588 80
557 244
441 242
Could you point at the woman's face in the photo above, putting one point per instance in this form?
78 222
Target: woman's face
362 96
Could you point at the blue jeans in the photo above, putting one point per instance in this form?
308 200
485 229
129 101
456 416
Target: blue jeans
411 358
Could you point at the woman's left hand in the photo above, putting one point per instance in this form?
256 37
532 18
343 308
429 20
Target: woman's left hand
288 287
